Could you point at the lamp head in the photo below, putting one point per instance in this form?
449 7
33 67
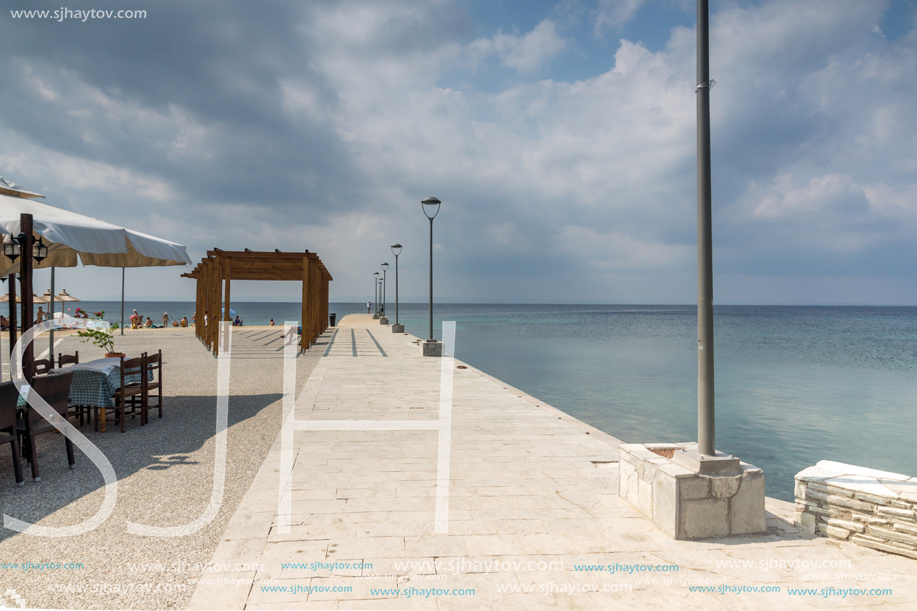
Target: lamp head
40 250
396 249
376 274
384 266
430 207
12 247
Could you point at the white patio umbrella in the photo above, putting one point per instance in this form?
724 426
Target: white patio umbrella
14 190
71 236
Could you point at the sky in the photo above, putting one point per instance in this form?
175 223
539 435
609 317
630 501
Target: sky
560 137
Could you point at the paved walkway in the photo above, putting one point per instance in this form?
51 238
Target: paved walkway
532 495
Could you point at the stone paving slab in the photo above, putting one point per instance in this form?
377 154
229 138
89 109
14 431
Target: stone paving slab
533 500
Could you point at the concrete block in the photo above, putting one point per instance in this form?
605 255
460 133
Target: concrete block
705 518
397 328
645 498
665 503
626 480
805 522
383 321
746 507
431 348
695 488
726 487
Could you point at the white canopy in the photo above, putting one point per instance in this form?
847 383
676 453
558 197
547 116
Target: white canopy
69 234
14 190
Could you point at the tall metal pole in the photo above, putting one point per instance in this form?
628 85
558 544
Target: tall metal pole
431 279
396 289
122 301
375 296
706 442
383 291
51 314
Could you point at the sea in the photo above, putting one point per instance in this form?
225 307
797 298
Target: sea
794 385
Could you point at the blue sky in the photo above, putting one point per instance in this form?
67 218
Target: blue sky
559 135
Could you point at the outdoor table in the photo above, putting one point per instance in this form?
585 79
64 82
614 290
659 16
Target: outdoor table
95 381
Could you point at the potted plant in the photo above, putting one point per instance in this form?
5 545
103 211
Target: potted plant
101 337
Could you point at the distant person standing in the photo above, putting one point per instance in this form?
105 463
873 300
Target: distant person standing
369 304
40 316
165 320
135 320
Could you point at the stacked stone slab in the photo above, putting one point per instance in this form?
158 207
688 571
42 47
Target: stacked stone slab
687 505
871 508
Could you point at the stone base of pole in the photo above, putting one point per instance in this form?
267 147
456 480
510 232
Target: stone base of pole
396 328
376 316
691 496
431 347
383 321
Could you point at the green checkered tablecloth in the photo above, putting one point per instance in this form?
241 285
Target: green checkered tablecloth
94 388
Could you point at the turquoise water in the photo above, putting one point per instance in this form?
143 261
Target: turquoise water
794 385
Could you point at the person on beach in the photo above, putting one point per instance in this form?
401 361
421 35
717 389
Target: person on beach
369 304
5 322
184 321
135 320
40 317
272 322
165 320
149 323
194 318
237 322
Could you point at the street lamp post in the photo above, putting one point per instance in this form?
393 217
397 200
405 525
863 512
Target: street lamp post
430 207
376 294
397 327
706 440
384 319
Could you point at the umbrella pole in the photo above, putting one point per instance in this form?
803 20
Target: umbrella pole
122 301
51 314
14 319
28 312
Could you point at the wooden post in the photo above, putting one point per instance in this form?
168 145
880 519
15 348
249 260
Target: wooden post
227 274
14 319
304 321
25 267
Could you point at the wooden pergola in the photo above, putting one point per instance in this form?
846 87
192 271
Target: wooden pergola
222 266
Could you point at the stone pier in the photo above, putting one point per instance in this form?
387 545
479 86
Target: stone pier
534 519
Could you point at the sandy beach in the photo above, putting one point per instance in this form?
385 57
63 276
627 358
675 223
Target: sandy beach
165 472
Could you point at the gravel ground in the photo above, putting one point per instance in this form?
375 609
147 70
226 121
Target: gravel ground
165 476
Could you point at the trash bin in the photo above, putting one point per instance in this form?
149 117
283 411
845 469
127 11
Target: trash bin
333 318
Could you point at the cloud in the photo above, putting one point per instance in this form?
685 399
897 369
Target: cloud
322 125
613 14
526 53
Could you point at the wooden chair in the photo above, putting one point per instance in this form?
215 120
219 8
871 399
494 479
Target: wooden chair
8 397
153 365
66 359
129 392
43 366
55 390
